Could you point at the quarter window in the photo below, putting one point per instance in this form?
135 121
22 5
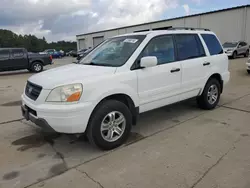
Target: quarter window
4 54
213 44
17 53
162 48
189 46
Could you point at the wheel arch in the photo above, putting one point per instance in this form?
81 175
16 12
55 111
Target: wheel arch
124 98
216 76
36 61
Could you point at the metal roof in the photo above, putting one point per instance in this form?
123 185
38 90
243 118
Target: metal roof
205 13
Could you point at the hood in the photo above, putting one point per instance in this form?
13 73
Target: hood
228 49
73 73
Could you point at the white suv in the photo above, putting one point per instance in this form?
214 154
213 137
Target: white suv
126 75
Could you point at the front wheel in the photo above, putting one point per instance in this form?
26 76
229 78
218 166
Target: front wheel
109 125
248 71
37 67
234 55
247 53
210 95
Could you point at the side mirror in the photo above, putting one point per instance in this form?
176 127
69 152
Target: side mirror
148 61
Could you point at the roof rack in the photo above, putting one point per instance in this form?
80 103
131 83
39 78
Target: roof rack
187 28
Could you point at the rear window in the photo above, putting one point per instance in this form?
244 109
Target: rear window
189 46
17 53
4 54
213 44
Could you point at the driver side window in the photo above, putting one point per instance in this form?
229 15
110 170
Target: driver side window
162 48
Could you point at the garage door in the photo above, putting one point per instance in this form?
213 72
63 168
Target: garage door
97 40
82 44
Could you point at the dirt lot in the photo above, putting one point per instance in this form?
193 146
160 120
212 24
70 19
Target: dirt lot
175 146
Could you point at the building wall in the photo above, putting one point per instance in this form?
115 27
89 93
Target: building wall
192 22
229 25
247 31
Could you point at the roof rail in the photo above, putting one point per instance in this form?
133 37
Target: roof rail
187 28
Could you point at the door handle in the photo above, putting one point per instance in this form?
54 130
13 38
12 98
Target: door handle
175 70
206 64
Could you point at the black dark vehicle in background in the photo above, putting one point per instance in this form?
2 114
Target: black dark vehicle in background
83 53
73 53
20 58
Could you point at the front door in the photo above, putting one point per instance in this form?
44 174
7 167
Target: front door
4 59
159 85
19 59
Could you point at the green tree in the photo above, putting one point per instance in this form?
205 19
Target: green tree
9 39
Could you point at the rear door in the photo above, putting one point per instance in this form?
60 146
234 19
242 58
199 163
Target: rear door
19 58
194 64
4 59
217 58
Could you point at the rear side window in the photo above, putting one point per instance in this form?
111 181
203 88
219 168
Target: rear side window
17 53
4 54
189 46
213 44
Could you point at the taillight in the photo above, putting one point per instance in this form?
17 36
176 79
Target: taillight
50 57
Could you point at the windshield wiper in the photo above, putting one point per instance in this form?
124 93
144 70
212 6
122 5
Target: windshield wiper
99 64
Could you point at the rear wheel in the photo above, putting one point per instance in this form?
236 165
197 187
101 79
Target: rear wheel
210 95
37 67
248 71
109 125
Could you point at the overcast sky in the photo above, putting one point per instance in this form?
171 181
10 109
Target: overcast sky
63 19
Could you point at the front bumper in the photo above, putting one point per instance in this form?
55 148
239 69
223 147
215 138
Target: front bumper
40 122
62 118
229 54
248 65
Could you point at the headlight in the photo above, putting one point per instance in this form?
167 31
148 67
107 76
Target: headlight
67 93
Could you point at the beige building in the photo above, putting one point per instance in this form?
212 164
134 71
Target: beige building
232 24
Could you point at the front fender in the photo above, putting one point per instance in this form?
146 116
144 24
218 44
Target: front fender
98 88
101 93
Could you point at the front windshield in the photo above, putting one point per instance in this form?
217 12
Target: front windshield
230 44
113 52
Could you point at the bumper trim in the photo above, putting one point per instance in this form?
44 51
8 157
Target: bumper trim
40 122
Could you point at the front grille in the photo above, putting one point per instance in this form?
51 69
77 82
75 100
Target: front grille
32 90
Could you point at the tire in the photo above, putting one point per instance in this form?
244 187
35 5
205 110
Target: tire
104 112
204 101
247 53
36 67
234 56
248 71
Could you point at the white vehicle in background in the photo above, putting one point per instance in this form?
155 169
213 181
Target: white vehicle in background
126 75
234 49
248 65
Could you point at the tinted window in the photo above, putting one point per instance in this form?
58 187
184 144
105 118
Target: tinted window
4 54
17 53
243 44
189 46
161 47
229 44
213 44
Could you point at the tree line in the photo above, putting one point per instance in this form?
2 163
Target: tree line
9 39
